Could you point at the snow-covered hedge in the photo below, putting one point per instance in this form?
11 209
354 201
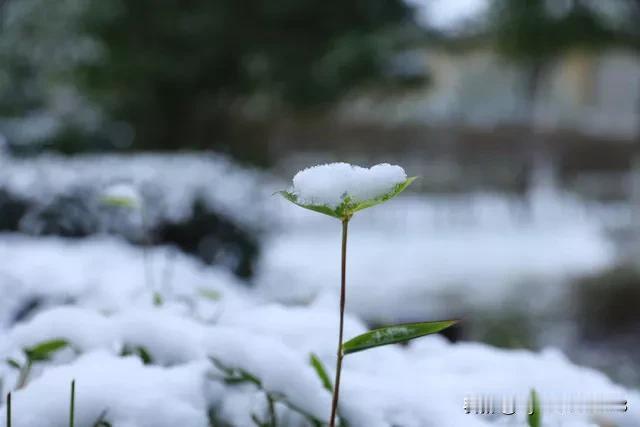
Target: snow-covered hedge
203 203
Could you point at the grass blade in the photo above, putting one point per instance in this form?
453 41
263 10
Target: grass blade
321 372
535 412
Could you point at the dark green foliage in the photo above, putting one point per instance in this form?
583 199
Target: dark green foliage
177 72
537 30
606 304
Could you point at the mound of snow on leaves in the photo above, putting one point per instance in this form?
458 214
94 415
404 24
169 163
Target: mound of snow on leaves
329 184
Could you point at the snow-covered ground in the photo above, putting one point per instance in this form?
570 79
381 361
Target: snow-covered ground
413 258
106 305
99 302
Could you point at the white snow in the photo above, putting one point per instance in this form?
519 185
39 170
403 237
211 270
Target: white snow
423 384
169 184
127 392
329 184
430 257
406 260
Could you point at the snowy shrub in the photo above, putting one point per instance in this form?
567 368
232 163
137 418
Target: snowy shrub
340 190
198 203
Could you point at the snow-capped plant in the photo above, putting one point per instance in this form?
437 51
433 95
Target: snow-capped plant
340 190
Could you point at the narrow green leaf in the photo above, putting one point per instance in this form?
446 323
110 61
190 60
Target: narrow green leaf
144 355
210 294
321 372
14 363
535 412
119 202
394 334
316 208
45 349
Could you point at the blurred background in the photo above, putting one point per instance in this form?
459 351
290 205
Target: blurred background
522 118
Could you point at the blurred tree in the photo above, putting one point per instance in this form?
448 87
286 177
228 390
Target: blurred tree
40 44
184 73
180 72
534 32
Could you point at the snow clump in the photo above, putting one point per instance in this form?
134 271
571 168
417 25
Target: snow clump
330 184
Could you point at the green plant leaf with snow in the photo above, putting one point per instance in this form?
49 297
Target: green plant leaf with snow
340 189
40 352
394 334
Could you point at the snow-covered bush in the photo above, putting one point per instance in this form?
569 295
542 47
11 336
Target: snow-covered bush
204 204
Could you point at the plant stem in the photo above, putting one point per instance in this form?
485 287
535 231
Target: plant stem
9 410
72 405
343 288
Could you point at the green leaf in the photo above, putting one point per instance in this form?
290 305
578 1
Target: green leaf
394 334
399 188
45 349
14 363
349 206
321 372
157 299
139 351
210 294
316 208
119 202
535 416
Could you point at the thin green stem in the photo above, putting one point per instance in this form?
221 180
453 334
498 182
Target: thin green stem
72 405
9 410
343 288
